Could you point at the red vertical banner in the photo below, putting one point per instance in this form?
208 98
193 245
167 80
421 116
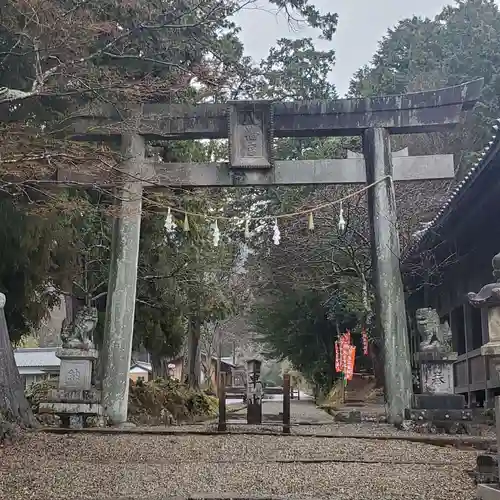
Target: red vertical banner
351 359
346 349
338 359
364 337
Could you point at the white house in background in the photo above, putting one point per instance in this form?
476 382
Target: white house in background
37 364
140 370
41 363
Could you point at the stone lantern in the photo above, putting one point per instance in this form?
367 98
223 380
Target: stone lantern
488 298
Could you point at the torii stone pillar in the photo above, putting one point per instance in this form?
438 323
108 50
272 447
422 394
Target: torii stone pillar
390 312
120 311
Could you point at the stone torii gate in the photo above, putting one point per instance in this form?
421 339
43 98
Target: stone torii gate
251 127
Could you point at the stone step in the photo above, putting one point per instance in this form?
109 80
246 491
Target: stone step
488 492
92 396
439 401
431 415
71 408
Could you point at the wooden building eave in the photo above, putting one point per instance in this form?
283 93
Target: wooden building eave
461 218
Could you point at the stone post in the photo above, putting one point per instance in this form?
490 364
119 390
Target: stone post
489 298
286 403
390 300
491 491
119 328
497 426
222 426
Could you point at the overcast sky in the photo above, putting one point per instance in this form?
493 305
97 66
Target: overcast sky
362 23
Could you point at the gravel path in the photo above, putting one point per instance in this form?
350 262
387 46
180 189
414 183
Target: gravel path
304 411
153 467
82 466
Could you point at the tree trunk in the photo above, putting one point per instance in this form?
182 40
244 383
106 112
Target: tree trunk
378 364
13 403
194 361
160 366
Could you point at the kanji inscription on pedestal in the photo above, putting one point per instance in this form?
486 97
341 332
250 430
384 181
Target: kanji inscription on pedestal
75 374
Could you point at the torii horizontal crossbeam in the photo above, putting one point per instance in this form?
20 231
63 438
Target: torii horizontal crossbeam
347 171
409 113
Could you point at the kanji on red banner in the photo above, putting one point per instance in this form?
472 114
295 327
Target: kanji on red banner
346 350
338 360
344 355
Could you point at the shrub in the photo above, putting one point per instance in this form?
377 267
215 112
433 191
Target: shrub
168 401
36 393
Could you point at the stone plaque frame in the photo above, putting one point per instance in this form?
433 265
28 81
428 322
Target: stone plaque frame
75 374
250 134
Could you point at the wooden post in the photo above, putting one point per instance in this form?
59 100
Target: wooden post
389 297
222 427
286 403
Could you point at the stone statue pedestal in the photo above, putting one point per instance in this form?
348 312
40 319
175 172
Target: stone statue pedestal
436 371
76 368
437 383
437 407
76 399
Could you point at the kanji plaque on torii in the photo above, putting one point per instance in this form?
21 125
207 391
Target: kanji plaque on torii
250 134
250 127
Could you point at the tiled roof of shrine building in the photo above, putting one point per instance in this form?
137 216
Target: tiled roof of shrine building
480 177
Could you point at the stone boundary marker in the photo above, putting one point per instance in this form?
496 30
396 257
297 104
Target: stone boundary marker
475 442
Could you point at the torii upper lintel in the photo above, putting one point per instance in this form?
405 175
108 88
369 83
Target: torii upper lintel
402 114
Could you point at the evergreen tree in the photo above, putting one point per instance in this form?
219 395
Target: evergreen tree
56 57
461 44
